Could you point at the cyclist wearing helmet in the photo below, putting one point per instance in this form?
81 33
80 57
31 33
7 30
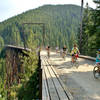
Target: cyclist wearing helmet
64 51
57 49
48 51
98 56
74 52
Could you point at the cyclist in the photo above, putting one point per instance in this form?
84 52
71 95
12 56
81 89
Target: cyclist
48 51
74 52
61 52
64 51
98 60
57 49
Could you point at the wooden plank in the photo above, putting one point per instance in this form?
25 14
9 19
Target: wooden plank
45 95
59 88
45 92
52 90
64 87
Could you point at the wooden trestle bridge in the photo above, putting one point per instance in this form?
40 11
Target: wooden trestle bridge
52 87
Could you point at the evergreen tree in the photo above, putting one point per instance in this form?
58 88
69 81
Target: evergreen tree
91 30
60 21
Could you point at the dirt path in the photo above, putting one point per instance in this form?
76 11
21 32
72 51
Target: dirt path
80 82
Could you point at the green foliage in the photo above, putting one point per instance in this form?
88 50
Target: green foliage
30 85
61 23
30 88
1 42
29 64
3 91
91 31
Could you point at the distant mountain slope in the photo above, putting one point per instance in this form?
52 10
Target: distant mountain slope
61 24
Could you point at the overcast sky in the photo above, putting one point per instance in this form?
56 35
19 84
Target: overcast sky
9 8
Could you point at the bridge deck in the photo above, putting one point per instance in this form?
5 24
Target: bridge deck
17 47
53 88
79 81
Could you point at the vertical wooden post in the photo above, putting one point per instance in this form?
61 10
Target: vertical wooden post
82 1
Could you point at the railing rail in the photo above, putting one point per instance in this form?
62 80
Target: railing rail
87 57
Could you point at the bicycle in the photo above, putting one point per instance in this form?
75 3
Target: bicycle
96 71
63 55
75 63
48 54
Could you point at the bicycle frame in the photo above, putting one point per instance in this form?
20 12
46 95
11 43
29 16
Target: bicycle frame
75 63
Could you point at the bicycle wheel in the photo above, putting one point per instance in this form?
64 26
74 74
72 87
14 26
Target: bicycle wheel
76 64
72 64
95 72
48 54
63 56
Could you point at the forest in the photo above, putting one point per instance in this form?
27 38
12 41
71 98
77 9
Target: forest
60 26
91 30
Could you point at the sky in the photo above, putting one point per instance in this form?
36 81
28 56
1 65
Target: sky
9 8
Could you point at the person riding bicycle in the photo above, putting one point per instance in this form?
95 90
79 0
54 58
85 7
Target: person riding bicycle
57 49
48 51
64 51
75 52
98 59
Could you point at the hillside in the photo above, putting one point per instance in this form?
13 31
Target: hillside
61 24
